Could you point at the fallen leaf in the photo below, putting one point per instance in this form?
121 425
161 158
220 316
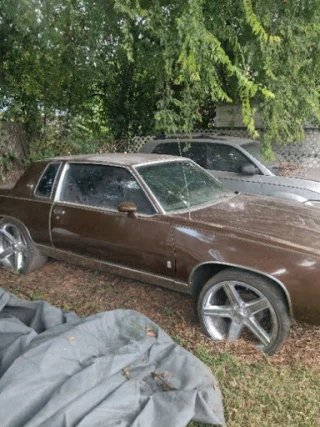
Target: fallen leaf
126 373
151 333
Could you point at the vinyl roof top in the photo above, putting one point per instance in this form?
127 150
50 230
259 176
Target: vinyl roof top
126 159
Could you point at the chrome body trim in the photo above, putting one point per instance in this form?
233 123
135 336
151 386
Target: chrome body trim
29 199
49 223
147 190
61 181
122 270
178 211
169 160
159 206
101 209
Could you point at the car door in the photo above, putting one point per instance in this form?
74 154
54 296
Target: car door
225 162
85 220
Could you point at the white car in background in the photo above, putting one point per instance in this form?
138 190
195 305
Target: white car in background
238 163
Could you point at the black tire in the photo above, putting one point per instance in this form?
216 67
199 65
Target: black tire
33 258
273 319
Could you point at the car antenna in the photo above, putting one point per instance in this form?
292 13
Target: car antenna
185 181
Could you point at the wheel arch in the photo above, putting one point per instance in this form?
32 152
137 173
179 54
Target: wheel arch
33 259
25 228
201 273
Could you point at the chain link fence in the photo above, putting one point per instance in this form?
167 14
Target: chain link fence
304 154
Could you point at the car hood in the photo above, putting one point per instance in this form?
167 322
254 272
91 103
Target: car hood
303 182
280 222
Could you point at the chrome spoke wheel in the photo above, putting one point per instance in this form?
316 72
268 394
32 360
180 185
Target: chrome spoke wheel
13 247
231 309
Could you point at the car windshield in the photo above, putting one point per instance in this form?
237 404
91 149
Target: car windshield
179 185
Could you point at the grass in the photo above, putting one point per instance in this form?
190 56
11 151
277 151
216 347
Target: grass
282 391
265 394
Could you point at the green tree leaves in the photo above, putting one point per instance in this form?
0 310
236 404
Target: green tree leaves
128 67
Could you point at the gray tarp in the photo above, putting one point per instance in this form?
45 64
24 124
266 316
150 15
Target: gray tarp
116 368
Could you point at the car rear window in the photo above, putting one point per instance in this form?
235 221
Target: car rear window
46 182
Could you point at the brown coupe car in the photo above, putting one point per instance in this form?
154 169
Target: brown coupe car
252 263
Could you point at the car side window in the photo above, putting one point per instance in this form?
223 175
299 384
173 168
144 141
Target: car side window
46 182
170 148
104 187
225 158
193 151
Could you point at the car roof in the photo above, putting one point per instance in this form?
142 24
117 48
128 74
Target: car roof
221 139
125 159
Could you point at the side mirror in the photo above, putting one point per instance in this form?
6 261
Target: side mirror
129 208
248 169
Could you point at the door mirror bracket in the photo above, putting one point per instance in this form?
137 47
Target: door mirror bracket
129 208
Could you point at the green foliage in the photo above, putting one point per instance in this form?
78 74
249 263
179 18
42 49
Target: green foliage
82 71
7 160
7 155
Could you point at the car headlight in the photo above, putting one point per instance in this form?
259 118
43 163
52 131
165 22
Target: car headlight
314 203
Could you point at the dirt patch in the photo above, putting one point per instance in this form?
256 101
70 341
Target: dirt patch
88 292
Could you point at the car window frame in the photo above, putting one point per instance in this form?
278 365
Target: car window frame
242 152
52 195
57 198
179 211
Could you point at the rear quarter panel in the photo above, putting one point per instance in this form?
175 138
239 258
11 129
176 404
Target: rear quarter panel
21 204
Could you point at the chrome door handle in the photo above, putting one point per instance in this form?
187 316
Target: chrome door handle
59 211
